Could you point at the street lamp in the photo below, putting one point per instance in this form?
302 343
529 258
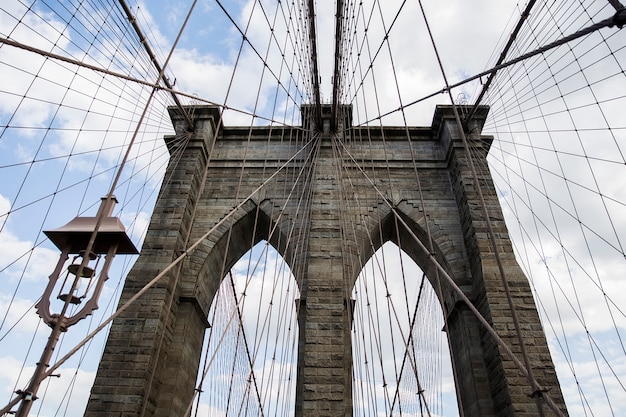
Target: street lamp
87 239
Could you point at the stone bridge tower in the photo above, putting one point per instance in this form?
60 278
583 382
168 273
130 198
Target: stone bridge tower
152 355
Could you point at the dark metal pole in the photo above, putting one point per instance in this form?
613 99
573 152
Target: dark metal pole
336 74
315 75
503 55
29 396
155 62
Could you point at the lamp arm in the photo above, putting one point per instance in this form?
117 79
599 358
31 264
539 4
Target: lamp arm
43 306
92 304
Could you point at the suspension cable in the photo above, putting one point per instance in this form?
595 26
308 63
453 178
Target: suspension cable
146 45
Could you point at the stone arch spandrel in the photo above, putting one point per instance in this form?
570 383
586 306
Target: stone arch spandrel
466 349
447 240
201 276
207 265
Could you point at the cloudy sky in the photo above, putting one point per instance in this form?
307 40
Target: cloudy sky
558 165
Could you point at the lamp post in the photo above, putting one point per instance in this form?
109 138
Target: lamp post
87 239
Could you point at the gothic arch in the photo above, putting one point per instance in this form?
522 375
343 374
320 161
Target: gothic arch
450 253
447 247
206 266
421 304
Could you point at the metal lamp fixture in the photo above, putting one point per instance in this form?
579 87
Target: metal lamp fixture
73 238
87 239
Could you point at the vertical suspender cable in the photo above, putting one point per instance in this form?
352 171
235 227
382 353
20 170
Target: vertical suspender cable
538 391
336 74
313 57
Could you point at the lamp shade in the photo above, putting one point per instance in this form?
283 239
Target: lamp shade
75 236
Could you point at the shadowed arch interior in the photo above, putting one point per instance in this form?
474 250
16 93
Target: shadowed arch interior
218 255
390 229
253 311
409 352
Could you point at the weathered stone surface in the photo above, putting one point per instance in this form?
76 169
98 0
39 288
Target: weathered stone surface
152 355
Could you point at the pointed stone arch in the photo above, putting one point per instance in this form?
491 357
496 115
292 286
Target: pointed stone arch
264 295
206 266
466 351
397 310
153 351
449 252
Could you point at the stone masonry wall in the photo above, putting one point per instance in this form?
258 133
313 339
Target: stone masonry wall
151 357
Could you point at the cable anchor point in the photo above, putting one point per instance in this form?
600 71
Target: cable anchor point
538 392
619 18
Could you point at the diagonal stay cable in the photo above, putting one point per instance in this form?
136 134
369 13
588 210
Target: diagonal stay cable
245 343
311 152
146 45
454 286
503 54
40 373
173 264
618 20
245 38
536 387
96 68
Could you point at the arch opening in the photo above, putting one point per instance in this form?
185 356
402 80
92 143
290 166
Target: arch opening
248 364
400 353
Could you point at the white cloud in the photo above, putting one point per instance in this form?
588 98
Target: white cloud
71 386
5 207
136 225
20 313
584 387
44 32
16 254
465 32
91 117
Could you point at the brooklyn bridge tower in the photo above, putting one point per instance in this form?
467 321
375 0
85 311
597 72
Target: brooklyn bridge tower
327 238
